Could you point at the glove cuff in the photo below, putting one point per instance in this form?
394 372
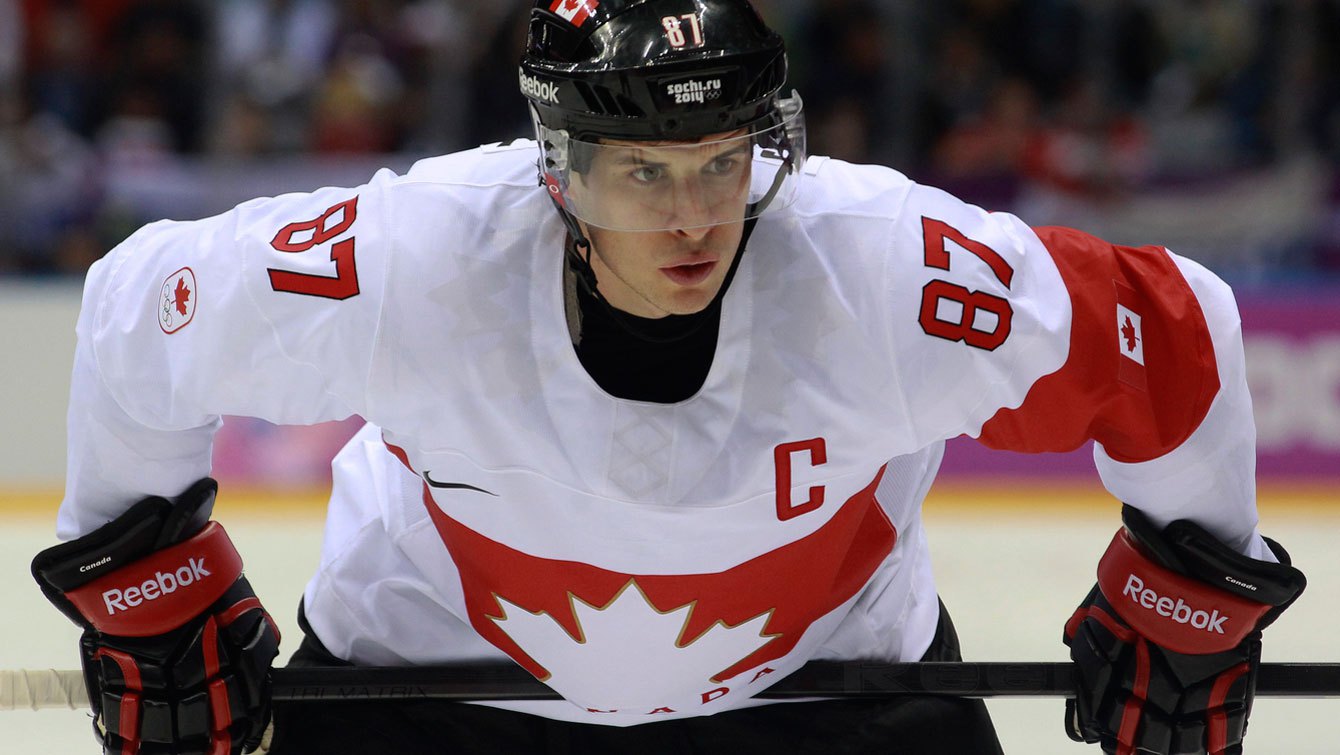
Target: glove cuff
164 590
1187 548
1180 613
149 525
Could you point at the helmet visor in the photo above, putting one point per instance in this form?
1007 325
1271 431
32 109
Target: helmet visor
658 186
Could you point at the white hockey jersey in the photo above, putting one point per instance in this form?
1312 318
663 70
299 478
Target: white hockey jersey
648 560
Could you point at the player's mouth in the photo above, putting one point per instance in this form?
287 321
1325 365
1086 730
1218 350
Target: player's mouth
690 273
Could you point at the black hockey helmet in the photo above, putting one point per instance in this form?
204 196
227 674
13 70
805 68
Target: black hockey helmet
628 68
658 71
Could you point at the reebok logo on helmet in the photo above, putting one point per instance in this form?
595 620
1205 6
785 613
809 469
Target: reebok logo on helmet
534 87
1210 621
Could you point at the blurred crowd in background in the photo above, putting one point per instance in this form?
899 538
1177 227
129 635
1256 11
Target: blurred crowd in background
1212 126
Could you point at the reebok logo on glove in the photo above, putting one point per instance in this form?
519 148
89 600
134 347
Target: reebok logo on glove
117 599
1211 621
149 596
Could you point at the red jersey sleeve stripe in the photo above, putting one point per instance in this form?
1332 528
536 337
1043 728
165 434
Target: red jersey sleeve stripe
1139 407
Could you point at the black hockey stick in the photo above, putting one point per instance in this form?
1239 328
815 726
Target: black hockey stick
47 688
816 679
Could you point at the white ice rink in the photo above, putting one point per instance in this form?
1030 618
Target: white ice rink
1010 577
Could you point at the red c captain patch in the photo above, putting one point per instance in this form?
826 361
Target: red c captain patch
176 301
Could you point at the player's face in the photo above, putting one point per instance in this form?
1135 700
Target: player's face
698 192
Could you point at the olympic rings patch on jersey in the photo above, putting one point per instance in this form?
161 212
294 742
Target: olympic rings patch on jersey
176 302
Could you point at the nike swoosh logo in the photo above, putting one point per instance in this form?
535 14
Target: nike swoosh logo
454 485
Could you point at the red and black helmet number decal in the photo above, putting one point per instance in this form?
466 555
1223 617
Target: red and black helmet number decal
683 31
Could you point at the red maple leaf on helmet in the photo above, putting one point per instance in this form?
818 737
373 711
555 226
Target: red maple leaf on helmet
181 295
1128 332
574 11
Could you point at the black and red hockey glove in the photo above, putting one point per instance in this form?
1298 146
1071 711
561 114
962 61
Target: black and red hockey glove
1167 644
176 648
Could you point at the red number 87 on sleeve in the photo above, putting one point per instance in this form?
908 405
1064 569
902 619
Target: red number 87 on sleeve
294 238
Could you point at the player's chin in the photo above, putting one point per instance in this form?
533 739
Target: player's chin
689 301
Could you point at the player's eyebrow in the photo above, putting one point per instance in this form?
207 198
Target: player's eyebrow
740 150
633 158
637 158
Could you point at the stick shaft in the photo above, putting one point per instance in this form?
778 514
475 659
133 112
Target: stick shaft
42 688
50 688
852 679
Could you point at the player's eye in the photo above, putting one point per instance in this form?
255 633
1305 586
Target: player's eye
647 173
723 166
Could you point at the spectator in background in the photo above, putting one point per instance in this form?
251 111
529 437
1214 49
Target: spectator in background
49 195
11 51
994 142
278 47
1131 50
268 56
438 37
1041 41
245 128
1087 159
1213 89
959 84
1322 77
1190 88
11 46
1321 18
355 108
1089 150
846 79
494 115
64 40
154 98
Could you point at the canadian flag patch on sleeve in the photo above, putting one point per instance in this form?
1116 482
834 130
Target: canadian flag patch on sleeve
1130 340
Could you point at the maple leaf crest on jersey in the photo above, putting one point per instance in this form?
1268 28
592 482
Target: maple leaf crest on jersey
627 638
598 635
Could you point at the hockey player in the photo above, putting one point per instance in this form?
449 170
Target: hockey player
656 427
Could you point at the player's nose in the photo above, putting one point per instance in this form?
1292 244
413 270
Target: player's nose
692 210
694 233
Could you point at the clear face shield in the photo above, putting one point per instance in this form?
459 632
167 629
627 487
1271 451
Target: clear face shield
660 186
